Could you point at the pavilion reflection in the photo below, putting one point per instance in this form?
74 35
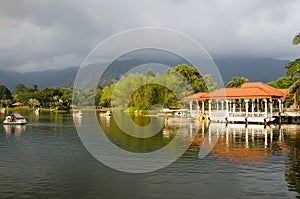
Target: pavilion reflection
240 142
236 142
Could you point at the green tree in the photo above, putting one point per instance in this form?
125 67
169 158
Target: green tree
293 68
98 94
47 96
283 82
65 98
192 75
296 39
5 93
23 93
236 82
105 99
209 82
32 102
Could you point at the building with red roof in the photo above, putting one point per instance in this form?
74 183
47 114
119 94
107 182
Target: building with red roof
252 102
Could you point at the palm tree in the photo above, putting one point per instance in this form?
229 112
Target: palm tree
296 39
294 89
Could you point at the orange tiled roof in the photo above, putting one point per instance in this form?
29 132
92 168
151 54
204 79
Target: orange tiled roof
200 95
247 90
268 89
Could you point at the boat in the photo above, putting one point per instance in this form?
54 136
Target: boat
37 111
107 113
15 119
77 113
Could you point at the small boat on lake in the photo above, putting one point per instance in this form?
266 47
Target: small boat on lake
37 111
15 119
77 113
107 113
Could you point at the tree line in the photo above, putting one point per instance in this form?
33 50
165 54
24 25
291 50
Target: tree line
137 90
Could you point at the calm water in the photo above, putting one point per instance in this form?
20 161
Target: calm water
46 159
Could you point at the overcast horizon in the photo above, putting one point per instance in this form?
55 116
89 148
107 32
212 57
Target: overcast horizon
41 35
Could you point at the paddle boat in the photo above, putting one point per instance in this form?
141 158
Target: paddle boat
107 113
15 119
77 113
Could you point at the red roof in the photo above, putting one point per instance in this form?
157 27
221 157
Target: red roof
268 89
247 90
18 104
196 96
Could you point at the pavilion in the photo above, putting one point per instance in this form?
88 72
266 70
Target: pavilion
254 102
17 104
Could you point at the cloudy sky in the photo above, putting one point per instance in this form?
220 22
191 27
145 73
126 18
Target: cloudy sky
43 34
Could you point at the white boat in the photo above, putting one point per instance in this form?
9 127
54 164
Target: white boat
15 119
77 113
37 111
107 113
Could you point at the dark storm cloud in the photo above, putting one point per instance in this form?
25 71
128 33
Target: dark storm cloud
36 35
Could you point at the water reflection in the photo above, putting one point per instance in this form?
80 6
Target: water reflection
15 130
254 161
238 142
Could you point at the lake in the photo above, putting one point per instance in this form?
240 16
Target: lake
46 159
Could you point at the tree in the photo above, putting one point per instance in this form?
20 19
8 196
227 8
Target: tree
210 83
283 82
192 76
98 94
32 102
293 68
105 99
294 89
296 39
5 93
236 82
65 98
23 93
46 96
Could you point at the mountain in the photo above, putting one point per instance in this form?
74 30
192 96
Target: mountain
255 69
47 78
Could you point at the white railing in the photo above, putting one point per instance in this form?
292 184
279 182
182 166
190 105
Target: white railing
218 113
237 114
257 114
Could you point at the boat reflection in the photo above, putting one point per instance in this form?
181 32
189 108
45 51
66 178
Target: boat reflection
15 130
77 120
105 120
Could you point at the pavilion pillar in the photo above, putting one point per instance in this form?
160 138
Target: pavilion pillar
266 107
203 108
226 105
246 106
198 107
191 106
222 105
230 107
252 105
279 106
209 107
271 108
233 106
257 105
217 105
